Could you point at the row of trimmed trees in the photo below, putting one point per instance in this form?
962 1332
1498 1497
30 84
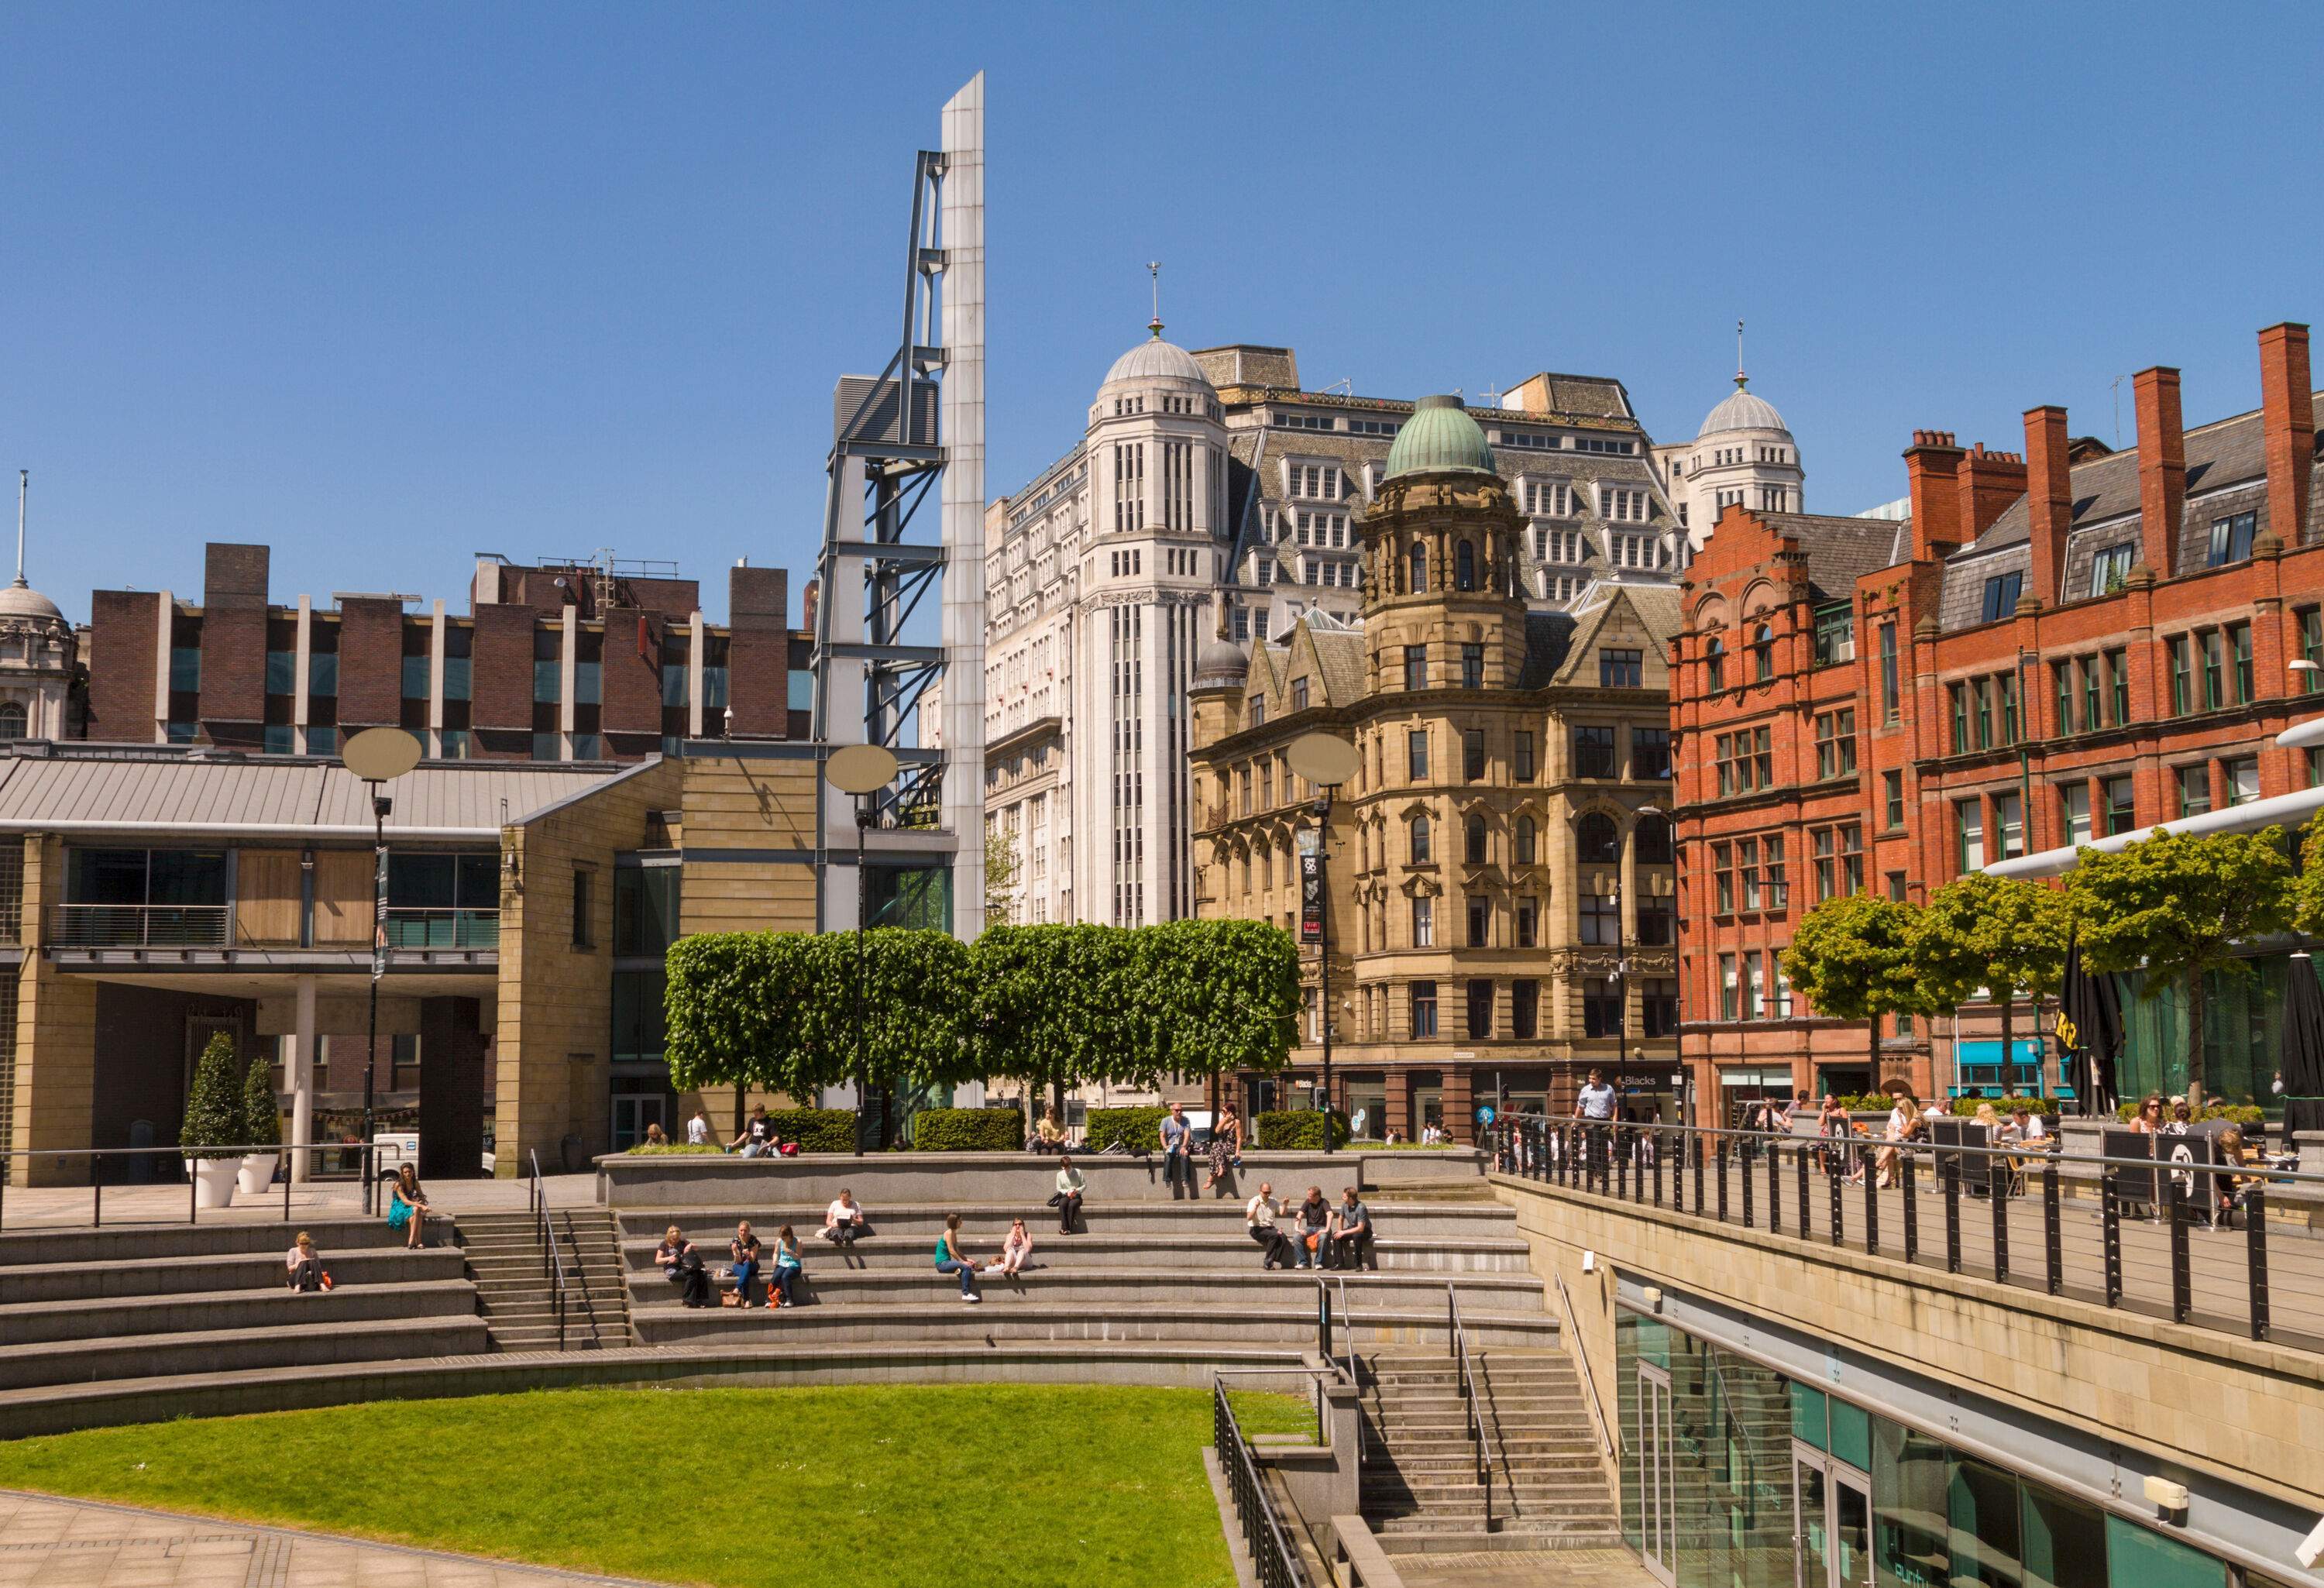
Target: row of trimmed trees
1051 1006
2170 909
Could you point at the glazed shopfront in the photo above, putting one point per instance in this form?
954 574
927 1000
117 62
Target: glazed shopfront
1738 1474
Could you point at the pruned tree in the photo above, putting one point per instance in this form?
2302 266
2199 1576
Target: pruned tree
1851 959
2001 933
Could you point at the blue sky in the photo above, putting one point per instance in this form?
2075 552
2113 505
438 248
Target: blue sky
386 286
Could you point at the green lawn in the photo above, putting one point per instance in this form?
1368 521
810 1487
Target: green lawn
940 1486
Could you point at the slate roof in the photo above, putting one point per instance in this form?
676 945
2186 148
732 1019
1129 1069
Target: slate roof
1843 551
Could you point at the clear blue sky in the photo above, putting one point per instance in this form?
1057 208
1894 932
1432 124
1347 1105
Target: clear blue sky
383 286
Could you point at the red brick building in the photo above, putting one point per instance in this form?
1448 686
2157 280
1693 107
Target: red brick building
2057 644
581 662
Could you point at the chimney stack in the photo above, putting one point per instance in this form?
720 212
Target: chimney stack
2161 468
1931 466
2288 422
1988 482
2049 498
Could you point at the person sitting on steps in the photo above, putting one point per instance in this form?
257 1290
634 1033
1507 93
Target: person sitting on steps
681 1265
1314 1229
745 1247
1351 1242
407 1208
952 1258
1049 1136
1259 1215
844 1222
303 1266
787 1269
757 1138
1014 1251
1070 1184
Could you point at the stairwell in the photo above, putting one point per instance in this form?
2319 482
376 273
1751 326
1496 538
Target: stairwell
1421 1488
518 1298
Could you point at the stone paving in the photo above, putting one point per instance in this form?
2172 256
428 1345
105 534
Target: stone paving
1525 1568
81 1544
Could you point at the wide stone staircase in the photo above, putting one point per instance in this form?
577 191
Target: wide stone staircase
1541 1481
516 1290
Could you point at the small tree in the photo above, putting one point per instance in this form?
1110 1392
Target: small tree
1998 933
1001 878
261 1123
214 1107
1852 960
2308 887
2173 907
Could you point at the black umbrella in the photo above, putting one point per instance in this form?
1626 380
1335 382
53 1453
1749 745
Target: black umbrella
2303 1047
2089 1024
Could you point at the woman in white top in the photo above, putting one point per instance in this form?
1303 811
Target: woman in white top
844 1220
1016 1249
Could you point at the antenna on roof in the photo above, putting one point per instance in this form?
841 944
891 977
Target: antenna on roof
1154 269
24 487
1741 380
2117 419
1492 395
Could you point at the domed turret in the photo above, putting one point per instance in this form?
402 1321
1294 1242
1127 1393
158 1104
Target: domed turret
20 601
1220 665
1741 410
1440 439
1155 360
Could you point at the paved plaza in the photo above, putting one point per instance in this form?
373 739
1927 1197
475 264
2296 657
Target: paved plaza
81 1544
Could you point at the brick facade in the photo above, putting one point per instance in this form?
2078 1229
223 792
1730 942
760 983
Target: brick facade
2055 646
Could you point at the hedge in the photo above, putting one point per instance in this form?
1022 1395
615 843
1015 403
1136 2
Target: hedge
968 1130
674 1149
2241 1113
815 1129
1294 1129
1138 1129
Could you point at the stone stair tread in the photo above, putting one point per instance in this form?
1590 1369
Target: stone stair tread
194 1337
245 1295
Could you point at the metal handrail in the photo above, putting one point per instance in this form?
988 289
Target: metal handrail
1468 1380
1277 1564
552 1261
1346 1327
97 1154
1588 1378
141 926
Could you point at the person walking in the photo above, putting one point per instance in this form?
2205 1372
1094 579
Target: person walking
1070 1184
698 1129
1226 1150
952 1258
1258 1215
1593 1106
1178 1152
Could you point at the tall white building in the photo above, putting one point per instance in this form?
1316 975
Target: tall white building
1211 493
1742 456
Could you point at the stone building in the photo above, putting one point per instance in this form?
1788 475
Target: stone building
1501 883
1742 457
1215 474
2056 647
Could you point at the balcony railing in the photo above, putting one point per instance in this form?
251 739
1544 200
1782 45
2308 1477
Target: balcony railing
142 925
443 928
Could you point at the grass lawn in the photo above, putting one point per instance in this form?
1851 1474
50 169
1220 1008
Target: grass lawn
941 1486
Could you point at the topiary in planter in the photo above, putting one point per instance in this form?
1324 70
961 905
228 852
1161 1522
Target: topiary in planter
261 1123
968 1130
1138 1129
1299 1129
213 1121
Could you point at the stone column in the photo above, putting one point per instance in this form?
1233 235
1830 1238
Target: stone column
298 1078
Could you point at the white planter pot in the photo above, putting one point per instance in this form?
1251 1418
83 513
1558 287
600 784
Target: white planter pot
257 1172
214 1181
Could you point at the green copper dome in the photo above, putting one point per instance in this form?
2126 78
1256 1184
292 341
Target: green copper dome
1439 437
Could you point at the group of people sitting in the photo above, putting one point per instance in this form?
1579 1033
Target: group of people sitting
772 1274
1312 1233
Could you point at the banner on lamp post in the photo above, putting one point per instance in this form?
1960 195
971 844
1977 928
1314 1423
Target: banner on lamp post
1311 888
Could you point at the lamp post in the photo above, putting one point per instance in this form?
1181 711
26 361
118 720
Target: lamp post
1325 761
860 771
377 756
1678 971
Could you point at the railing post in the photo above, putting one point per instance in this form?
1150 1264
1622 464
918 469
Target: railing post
1871 1208
1833 1182
1322 1321
1949 1172
1653 1138
1905 1177
1800 1157
1694 1151
1996 1195
1620 1149
2110 1235
193 1190
2052 1244
2183 1288
1776 1189
96 1192
1743 1174
2256 1248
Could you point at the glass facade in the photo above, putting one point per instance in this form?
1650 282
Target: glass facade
1734 1476
2242 1034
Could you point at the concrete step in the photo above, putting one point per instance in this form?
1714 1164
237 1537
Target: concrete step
715 1224
212 1272
1365 1292
1460 1460
135 1243
950 1319
35 1323
1223 1252
212 1351
1442 1540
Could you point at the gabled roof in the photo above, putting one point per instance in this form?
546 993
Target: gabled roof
1843 551
1655 606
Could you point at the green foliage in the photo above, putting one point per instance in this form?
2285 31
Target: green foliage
1852 959
1999 933
1299 1129
2307 888
261 1124
2241 1113
2173 907
1138 1129
676 1149
815 1129
968 1130
214 1107
1966 1107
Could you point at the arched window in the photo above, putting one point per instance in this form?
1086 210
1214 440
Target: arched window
1652 840
1763 652
1419 558
1526 840
1475 840
1418 836
11 720
1464 566
1595 840
1714 658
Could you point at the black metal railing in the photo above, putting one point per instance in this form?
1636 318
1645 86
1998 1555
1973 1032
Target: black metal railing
131 1168
2113 1229
1275 1561
552 1262
1486 1445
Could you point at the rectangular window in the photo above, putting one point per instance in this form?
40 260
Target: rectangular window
2215 680
1602 920
459 662
2110 569
1472 755
1752 1007
2239 645
2001 593
2074 811
1650 758
1424 923
185 669
1984 691
1415 755
1763 757
281 672
645 909
1621 670
2311 649
1835 734
415 677
1481 1009
1851 857
1746 861
1958 694
1423 1009
1823 843
1888 684
2061 678
1658 1009
1892 789
2121 805
2093 693
2194 789
1298 694
549 747
1896 887
1522 757
2241 777
2119 677
280 739
1416 667
1601 1006
2231 539
1479 921
1835 635
581 879
2008 689
1593 752
2009 813
2182 665
1723 867
1727 987
1968 822
1525 1010
1529 915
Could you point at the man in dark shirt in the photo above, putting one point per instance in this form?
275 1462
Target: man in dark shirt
757 1137
1351 1233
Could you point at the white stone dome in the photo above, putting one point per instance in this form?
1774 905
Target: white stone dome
1155 360
1741 410
20 600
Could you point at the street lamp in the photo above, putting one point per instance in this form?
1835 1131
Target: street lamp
377 756
860 771
1325 761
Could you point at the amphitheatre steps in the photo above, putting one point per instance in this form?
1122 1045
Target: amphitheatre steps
516 1296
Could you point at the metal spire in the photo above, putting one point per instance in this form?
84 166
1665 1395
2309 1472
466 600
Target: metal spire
24 485
1154 269
1741 380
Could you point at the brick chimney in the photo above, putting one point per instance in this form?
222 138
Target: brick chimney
2161 468
2288 421
1931 466
2049 498
1989 482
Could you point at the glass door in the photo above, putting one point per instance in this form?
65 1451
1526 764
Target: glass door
1811 1506
633 1112
1657 1459
1851 1527
1831 1507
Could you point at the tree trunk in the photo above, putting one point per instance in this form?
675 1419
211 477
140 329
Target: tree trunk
1057 1099
1872 1047
2008 1033
739 1110
2195 1044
